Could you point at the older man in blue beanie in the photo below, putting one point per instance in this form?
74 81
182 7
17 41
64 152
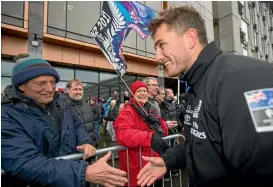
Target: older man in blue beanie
35 129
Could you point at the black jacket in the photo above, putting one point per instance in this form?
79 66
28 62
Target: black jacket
113 113
84 113
222 146
96 111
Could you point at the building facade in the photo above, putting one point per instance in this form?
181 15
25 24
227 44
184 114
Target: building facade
244 27
59 32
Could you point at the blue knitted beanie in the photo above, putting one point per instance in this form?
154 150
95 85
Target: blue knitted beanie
28 67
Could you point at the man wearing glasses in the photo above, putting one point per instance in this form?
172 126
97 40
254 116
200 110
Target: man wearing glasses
153 86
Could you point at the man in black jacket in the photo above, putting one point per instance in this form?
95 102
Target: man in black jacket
74 98
228 119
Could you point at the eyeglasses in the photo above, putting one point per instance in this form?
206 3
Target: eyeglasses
154 85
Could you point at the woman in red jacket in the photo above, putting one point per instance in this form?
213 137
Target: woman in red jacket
135 129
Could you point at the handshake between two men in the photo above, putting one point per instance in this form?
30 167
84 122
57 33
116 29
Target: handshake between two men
101 173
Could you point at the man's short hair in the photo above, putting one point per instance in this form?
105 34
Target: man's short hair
147 79
77 82
180 20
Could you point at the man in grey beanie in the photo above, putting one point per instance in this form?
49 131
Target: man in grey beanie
35 129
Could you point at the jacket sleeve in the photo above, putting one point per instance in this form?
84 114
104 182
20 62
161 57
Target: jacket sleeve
175 158
126 135
243 147
21 158
108 100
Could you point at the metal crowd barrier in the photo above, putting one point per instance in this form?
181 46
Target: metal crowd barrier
99 152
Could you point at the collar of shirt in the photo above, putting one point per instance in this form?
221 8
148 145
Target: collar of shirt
205 58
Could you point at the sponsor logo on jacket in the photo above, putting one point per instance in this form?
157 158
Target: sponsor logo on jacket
188 120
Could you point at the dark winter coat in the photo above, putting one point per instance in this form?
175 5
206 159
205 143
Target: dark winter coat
84 113
30 139
224 146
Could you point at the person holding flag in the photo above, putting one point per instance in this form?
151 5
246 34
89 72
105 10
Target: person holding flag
136 130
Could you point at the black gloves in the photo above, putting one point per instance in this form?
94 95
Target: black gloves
159 145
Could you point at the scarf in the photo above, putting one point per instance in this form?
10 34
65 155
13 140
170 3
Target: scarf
151 119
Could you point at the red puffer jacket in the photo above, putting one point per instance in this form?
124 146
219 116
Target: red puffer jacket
132 132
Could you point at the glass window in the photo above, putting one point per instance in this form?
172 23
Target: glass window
255 39
140 78
61 84
13 8
244 28
87 75
245 52
89 90
141 44
108 78
82 16
12 12
56 15
180 3
65 73
247 9
155 5
259 41
150 45
6 68
4 82
130 42
107 91
129 79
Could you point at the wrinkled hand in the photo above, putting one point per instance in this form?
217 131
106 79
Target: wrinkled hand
88 150
101 173
159 145
154 169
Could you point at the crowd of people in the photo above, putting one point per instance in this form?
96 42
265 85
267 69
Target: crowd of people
228 129
40 123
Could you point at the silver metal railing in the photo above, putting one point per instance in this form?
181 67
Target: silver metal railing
99 152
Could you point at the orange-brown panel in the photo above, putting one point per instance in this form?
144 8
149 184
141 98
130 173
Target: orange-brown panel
71 56
14 31
85 46
129 65
102 62
87 58
145 69
154 70
52 52
13 45
136 67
